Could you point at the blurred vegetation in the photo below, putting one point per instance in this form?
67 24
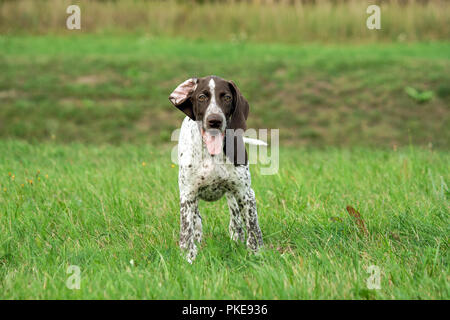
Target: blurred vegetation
310 68
98 89
289 21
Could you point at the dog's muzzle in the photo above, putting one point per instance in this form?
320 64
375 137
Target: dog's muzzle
213 134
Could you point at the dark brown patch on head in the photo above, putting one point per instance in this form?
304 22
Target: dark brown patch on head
202 96
196 96
234 139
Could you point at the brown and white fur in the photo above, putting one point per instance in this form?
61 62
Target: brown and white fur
213 160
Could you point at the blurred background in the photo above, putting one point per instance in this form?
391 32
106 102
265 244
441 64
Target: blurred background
308 67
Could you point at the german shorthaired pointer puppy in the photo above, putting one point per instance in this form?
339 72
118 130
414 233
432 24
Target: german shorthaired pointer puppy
213 160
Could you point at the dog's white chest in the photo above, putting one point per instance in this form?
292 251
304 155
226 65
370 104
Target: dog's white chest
213 171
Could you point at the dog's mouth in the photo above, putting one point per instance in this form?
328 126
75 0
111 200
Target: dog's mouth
213 139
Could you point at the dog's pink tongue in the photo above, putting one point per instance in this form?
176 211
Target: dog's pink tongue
213 143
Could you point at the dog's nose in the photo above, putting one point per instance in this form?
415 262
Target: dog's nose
214 121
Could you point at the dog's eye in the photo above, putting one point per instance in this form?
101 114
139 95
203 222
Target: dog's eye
227 98
202 98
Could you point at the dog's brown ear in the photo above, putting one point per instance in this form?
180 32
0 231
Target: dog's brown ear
234 142
241 109
180 97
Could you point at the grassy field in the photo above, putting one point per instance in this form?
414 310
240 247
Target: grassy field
101 207
85 126
103 89
287 21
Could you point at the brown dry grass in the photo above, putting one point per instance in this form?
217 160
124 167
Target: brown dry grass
266 21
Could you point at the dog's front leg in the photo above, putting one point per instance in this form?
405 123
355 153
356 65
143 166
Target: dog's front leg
197 226
254 234
236 227
188 212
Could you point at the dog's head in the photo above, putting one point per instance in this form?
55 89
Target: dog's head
218 106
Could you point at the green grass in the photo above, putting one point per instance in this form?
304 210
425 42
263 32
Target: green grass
99 207
81 114
104 89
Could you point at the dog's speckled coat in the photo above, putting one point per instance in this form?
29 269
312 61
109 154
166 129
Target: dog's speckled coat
202 176
209 177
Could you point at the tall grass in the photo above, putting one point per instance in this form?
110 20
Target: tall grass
266 21
99 208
